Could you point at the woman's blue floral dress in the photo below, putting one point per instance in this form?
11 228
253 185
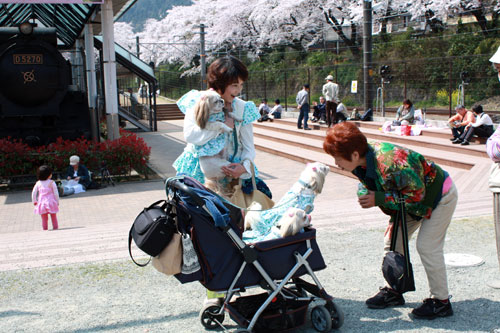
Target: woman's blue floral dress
188 162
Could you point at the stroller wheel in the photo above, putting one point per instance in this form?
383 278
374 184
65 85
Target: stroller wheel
336 314
321 319
210 317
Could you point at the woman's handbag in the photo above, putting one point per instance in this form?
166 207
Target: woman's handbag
396 267
244 200
153 229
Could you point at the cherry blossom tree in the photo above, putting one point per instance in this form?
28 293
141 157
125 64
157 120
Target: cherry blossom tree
261 25
124 35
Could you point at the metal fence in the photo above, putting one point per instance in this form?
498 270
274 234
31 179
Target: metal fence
431 83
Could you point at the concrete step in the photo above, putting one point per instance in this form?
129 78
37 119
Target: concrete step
438 132
307 150
440 142
168 112
314 142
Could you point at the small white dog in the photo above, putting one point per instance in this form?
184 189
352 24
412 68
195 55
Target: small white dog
294 221
301 195
209 115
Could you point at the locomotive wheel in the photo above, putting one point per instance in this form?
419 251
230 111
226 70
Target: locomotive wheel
210 318
321 319
336 314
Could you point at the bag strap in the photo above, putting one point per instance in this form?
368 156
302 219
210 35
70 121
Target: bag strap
235 139
401 219
156 204
252 167
404 229
130 250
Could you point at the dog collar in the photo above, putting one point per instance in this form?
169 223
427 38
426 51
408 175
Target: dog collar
303 183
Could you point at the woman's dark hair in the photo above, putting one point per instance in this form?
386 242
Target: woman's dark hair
408 102
344 139
277 101
225 71
44 172
478 109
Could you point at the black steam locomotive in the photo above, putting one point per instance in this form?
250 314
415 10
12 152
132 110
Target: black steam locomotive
38 102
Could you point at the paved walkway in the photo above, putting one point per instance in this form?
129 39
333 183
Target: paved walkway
94 225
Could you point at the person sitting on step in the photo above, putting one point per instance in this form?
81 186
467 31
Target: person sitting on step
458 122
482 127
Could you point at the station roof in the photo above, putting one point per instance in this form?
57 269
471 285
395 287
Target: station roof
68 19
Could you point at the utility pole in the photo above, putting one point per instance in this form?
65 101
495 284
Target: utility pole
367 53
202 56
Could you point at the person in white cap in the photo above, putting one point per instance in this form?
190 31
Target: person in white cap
331 93
79 173
495 61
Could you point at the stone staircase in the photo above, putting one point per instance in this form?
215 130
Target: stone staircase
468 165
168 112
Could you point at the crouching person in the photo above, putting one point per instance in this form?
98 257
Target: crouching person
430 198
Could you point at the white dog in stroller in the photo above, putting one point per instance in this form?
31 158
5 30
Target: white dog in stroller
209 115
259 224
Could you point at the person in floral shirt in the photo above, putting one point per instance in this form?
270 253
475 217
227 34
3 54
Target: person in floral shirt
430 198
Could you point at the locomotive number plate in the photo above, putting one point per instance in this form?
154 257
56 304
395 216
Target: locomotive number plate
28 59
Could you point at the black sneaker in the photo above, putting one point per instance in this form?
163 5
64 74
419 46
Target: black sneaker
456 141
453 138
433 308
384 298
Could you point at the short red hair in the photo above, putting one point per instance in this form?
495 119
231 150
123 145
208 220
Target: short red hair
344 139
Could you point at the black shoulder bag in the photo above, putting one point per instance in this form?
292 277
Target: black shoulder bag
152 229
396 267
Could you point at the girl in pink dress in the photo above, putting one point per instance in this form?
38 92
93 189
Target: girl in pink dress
45 197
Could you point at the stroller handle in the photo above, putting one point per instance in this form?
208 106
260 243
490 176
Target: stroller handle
173 182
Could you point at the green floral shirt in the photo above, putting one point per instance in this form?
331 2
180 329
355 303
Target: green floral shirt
391 169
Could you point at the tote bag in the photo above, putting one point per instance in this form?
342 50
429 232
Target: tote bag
244 200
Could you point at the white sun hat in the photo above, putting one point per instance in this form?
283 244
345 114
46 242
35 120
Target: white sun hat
496 57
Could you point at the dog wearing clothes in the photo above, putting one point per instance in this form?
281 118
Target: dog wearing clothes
209 114
258 223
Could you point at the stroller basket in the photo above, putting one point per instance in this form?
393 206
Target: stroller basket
218 254
281 314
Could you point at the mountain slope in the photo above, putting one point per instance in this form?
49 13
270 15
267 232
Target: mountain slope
146 9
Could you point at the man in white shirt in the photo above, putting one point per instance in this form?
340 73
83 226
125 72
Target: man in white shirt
483 127
331 93
276 110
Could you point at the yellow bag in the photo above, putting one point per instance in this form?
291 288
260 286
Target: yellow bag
243 200
169 261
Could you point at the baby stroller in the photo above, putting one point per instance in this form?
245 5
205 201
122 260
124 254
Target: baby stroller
230 266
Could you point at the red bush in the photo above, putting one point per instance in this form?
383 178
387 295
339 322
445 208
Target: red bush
121 155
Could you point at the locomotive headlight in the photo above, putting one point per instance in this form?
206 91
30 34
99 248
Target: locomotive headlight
26 28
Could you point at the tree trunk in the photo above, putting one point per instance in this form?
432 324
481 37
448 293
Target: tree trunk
481 20
352 43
